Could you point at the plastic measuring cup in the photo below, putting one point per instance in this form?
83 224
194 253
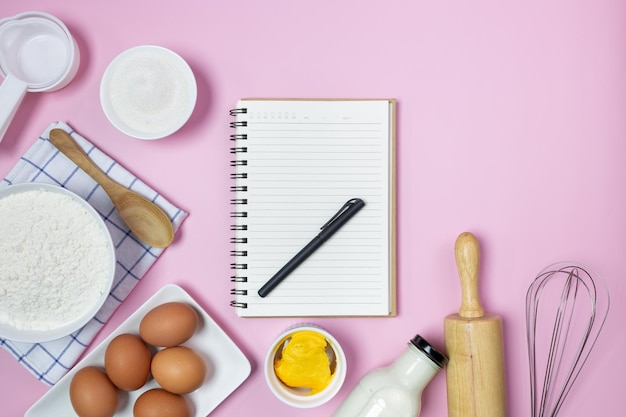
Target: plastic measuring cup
37 53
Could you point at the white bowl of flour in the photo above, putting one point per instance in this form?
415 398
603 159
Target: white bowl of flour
148 92
57 262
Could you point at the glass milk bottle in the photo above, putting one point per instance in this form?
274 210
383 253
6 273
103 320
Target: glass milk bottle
395 390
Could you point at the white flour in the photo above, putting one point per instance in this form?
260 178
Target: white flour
54 260
149 92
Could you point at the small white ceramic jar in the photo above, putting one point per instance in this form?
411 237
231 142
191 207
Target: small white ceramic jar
305 397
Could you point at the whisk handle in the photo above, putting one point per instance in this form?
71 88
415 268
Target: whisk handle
467 254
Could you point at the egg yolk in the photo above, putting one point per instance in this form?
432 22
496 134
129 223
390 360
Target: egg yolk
304 362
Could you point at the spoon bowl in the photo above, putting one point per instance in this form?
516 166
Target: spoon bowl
144 218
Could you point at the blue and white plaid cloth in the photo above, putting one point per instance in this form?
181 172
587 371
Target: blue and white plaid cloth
43 162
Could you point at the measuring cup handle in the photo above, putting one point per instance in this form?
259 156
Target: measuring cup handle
12 92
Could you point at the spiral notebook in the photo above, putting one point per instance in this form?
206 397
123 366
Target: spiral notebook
295 163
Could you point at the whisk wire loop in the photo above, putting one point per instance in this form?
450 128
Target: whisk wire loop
575 323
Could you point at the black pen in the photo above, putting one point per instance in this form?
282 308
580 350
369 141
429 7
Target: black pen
339 219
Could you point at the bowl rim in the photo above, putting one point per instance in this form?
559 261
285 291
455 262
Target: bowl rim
36 336
113 117
287 395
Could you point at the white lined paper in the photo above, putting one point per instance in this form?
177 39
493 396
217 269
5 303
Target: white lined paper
304 160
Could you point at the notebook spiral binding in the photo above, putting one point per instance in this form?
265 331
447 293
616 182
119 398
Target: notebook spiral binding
238 163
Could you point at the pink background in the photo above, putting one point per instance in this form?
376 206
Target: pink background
511 124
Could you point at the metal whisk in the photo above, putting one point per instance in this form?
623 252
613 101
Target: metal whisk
565 312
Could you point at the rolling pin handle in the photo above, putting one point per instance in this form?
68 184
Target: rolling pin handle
467 254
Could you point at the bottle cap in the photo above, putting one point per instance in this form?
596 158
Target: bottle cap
433 354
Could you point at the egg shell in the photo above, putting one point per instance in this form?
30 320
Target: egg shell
169 324
92 393
178 369
158 402
127 361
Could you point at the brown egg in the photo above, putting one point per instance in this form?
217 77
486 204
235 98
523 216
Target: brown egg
178 369
159 403
92 393
169 324
127 362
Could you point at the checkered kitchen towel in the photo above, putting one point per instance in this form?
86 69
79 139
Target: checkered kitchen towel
49 361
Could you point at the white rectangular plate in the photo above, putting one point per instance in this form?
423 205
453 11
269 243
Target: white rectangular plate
228 367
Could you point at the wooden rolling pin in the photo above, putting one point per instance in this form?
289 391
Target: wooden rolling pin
475 372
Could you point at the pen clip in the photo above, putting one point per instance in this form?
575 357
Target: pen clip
342 210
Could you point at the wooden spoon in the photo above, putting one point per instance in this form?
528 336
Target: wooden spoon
144 218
